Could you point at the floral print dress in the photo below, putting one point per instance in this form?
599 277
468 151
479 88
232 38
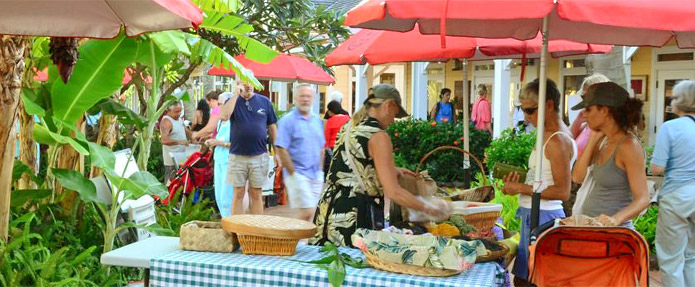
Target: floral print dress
346 204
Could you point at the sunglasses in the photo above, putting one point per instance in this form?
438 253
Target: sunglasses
248 106
529 111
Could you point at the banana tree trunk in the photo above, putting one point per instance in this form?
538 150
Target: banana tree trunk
12 50
108 132
69 158
27 147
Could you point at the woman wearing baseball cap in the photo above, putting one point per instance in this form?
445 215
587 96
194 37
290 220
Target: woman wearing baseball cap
362 172
620 190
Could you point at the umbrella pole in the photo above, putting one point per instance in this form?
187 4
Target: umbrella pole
466 123
536 198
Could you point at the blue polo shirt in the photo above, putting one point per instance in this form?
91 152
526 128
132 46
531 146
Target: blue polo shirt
250 121
674 151
303 138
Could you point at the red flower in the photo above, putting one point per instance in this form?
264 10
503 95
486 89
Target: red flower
456 143
461 138
395 135
433 124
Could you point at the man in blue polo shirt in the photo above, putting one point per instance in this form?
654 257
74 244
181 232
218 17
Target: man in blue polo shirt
300 145
253 120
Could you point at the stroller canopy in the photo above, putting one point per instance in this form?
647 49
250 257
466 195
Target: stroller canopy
589 256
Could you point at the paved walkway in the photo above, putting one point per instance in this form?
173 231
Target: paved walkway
286 211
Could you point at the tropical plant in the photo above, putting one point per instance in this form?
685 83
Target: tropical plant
512 147
646 225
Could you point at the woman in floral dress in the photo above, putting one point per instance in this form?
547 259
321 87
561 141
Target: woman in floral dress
362 171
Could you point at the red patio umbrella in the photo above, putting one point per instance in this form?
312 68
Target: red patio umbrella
619 22
284 68
616 22
95 18
380 47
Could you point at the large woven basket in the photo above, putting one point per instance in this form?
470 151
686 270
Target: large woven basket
381 264
493 255
207 236
480 194
267 234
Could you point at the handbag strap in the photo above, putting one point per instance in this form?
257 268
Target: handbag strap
691 117
350 157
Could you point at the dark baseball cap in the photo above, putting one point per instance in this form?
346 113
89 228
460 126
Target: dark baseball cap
604 94
386 91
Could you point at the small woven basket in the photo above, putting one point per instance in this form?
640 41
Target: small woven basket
267 246
483 220
267 234
207 236
381 264
493 255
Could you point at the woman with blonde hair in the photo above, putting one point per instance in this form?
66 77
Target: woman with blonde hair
362 172
675 227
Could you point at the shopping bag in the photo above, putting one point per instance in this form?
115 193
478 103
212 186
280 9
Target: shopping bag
583 191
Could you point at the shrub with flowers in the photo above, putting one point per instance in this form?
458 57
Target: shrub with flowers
412 139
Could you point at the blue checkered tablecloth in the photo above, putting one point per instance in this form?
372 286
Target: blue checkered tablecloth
188 268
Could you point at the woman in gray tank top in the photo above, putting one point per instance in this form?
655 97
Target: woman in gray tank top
620 183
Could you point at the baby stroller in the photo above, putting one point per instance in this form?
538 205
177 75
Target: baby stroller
589 256
195 172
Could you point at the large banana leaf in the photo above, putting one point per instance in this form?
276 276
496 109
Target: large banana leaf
223 6
217 57
137 184
97 74
125 115
43 135
101 156
73 180
150 55
171 42
234 26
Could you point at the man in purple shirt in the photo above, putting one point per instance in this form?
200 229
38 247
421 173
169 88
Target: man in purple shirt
252 121
300 145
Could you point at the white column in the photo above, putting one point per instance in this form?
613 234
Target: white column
360 85
418 101
317 101
282 98
500 97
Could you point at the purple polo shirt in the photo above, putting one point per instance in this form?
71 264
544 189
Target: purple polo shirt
303 138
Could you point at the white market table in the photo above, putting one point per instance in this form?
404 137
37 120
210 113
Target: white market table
188 268
139 254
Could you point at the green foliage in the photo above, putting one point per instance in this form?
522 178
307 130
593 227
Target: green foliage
47 251
97 74
512 147
173 220
510 203
412 139
334 261
646 225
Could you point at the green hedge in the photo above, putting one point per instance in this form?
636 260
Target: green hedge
512 147
412 139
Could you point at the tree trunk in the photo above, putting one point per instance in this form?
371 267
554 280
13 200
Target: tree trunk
69 158
12 51
27 147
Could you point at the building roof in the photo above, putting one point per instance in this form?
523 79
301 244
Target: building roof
341 5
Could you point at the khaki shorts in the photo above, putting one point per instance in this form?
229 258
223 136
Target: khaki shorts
252 168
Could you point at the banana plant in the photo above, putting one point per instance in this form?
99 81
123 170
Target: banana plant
132 187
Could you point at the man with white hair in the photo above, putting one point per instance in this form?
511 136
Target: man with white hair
300 145
175 136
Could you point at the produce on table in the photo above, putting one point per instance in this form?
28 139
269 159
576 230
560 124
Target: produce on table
444 229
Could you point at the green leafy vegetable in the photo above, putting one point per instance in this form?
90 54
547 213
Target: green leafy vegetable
334 261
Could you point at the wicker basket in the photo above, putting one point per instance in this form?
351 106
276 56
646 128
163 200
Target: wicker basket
267 234
380 264
483 220
480 194
493 255
207 236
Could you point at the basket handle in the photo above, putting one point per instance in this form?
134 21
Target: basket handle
477 161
